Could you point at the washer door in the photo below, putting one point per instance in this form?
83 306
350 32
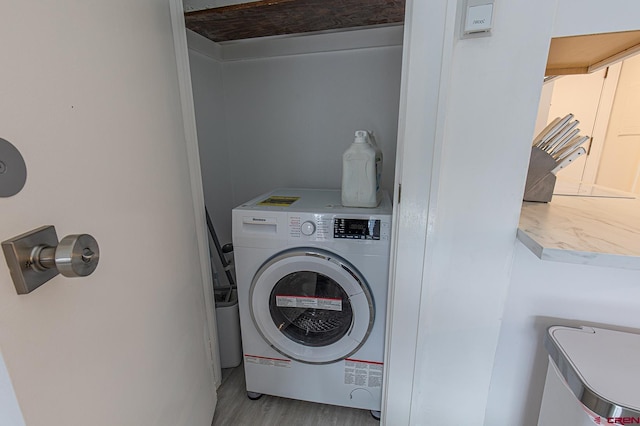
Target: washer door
311 305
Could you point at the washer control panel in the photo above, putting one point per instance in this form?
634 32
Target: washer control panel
322 227
356 229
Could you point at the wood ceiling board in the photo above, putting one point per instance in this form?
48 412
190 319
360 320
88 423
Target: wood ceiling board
585 54
280 17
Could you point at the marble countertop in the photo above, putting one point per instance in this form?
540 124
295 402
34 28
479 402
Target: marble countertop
601 229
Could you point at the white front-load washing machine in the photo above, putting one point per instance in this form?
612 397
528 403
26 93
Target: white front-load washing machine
312 280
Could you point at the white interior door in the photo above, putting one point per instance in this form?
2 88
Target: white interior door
90 96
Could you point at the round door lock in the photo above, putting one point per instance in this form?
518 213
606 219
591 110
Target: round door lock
77 255
74 256
308 228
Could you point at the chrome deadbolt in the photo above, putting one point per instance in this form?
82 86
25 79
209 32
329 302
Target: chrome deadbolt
37 256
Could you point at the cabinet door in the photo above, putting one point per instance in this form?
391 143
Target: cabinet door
580 95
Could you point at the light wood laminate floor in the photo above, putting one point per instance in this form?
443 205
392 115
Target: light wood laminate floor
235 409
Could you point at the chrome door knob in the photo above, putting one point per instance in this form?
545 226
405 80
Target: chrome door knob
36 256
74 256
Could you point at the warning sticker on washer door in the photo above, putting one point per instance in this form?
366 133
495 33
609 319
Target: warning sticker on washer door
362 373
263 360
283 301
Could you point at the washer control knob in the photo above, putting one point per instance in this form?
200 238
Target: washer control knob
308 228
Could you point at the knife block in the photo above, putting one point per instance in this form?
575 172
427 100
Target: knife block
540 180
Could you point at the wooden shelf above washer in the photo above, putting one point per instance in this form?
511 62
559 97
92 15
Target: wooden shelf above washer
279 17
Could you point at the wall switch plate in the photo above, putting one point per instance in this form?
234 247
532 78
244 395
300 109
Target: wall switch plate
477 20
18 252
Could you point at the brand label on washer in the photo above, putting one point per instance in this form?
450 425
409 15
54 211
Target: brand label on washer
283 301
263 360
362 373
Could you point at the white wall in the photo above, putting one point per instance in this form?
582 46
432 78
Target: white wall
208 98
489 93
480 143
544 294
290 118
282 111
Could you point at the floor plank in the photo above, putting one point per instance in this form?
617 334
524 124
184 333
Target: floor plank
235 409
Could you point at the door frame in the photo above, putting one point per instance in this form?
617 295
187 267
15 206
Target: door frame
420 136
421 124
423 100
195 175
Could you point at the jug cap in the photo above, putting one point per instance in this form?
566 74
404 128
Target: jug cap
361 136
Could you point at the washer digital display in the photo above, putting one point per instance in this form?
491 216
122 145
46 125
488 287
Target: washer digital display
356 229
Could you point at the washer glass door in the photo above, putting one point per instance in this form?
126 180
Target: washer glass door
311 306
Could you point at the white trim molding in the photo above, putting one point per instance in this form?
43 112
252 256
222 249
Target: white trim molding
193 156
298 44
204 46
427 57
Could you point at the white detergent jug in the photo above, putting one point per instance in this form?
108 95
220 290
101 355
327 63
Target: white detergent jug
361 171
